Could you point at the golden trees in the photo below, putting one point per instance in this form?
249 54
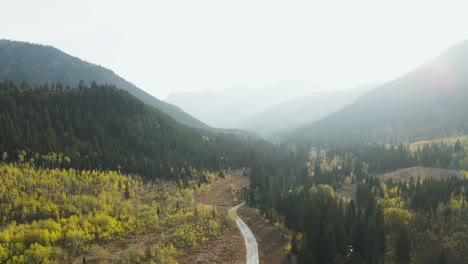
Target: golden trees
52 215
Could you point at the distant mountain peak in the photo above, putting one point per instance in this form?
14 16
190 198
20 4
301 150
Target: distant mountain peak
228 107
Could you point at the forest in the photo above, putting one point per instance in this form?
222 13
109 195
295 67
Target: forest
392 221
53 215
86 166
102 127
38 64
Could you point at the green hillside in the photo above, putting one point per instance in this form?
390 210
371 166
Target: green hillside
431 101
105 127
38 64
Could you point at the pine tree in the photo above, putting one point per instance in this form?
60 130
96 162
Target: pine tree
371 246
328 248
442 258
457 147
294 246
403 246
380 225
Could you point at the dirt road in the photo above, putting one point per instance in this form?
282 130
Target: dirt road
250 241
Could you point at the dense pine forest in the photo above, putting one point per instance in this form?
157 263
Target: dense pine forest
102 127
379 221
39 64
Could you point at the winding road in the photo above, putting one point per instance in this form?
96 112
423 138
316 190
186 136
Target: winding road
250 241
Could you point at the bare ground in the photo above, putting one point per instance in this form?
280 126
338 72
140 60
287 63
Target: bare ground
348 191
229 246
223 192
422 172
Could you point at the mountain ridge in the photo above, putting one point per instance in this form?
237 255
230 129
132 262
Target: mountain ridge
304 110
38 64
430 101
237 103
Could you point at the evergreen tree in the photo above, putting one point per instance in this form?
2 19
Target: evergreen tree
403 246
103 127
442 258
328 247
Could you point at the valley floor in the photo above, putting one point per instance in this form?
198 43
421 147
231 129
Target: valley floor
227 247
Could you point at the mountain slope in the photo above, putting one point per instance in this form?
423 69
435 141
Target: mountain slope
302 111
103 127
228 107
431 101
38 64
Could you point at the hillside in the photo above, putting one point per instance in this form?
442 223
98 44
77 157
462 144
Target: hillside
418 172
38 64
105 127
302 111
229 107
431 101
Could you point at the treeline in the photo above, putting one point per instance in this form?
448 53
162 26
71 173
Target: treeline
102 127
384 158
336 166
428 194
38 64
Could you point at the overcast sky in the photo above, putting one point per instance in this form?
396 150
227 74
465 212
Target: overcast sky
177 46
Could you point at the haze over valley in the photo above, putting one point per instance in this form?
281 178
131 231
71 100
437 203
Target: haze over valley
233 132
229 107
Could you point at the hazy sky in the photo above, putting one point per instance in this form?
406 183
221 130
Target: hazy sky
176 46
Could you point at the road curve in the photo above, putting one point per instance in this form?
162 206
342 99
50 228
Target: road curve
250 241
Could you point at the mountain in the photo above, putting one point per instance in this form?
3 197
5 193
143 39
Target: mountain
431 101
38 64
103 127
302 111
226 108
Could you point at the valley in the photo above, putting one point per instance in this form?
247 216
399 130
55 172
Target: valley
287 134
226 247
